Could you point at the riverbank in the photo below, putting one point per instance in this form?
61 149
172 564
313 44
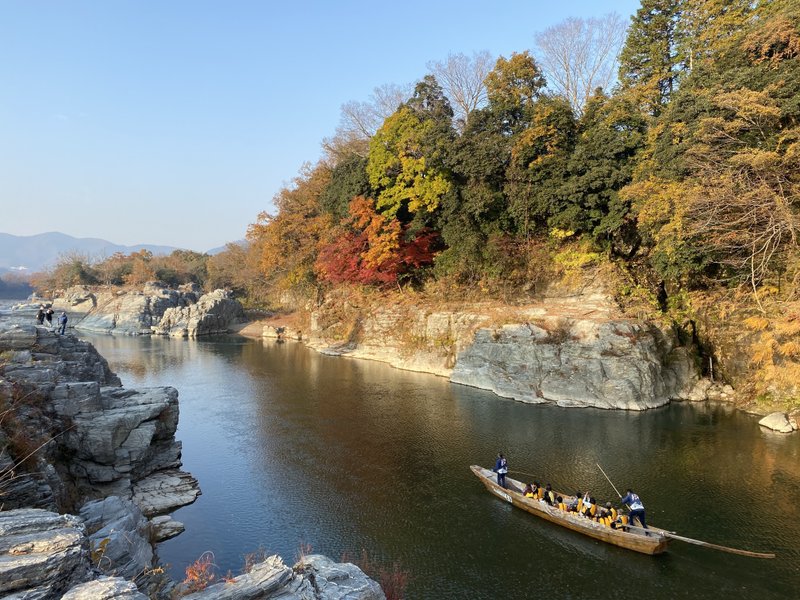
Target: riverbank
572 351
90 474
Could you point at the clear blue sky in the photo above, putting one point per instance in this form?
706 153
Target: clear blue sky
175 122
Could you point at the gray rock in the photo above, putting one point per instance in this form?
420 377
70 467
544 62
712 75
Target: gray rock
165 491
613 363
119 536
215 312
779 422
118 311
42 554
105 588
315 577
164 527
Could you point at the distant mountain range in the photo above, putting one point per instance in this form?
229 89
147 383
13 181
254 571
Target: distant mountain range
35 252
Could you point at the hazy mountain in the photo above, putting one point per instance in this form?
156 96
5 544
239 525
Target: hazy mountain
218 249
34 252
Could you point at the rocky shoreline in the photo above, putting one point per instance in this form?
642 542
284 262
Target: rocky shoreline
89 475
572 351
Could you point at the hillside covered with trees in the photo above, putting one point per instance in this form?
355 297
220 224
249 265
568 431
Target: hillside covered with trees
681 174
684 174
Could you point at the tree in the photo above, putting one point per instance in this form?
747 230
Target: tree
286 244
360 121
579 55
512 87
236 268
407 158
537 173
479 209
348 179
649 62
141 270
610 134
371 248
462 79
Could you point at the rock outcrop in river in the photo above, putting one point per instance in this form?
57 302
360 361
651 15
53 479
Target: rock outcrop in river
184 312
73 440
569 351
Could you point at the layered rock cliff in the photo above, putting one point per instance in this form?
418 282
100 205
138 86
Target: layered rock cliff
73 440
574 351
154 309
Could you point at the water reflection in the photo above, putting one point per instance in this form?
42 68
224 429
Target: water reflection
294 447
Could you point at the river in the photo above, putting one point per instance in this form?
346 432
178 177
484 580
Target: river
297 451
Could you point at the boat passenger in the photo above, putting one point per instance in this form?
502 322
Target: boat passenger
549 495
561 504
636 506
620 522
538 489
574 504
589 507
501 468
607 515
528 491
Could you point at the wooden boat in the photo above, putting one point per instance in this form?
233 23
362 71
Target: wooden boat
633 539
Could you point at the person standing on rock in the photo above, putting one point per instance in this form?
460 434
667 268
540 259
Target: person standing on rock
62 321
501 468
40 315
48 314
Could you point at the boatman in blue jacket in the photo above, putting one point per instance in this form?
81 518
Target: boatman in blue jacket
501 468
636 506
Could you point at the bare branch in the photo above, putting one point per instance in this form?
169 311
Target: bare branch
462 80
580 55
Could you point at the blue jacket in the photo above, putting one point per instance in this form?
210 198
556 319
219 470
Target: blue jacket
501 463
633 501
62 319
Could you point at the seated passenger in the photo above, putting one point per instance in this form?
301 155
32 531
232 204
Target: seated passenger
620 522
575 503
561 505
589 506
549 495
528 491
604 515
539 490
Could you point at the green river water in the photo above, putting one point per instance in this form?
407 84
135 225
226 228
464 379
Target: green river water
295 450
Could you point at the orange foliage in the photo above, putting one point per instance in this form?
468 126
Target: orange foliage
200 574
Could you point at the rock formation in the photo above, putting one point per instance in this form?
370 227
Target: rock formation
571 352
213 313
780 422
153 309
73 440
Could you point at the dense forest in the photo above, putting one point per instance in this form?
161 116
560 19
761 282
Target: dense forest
688 166
682 172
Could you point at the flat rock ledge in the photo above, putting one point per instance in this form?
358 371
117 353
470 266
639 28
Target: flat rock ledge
47 556
42 554
153 309
315 577
780 422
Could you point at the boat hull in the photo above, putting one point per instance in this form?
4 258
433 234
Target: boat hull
655 543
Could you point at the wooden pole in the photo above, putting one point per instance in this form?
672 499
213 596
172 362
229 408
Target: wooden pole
609 481
675 536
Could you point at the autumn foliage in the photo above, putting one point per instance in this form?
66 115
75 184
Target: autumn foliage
371 248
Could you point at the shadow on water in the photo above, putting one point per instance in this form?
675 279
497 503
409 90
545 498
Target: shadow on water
292 447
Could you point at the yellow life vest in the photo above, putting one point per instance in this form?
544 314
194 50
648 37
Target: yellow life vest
593 510
580 504
562 506
613 514
530 495
624 519
540 493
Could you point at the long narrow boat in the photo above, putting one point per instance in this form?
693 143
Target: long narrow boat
655 542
